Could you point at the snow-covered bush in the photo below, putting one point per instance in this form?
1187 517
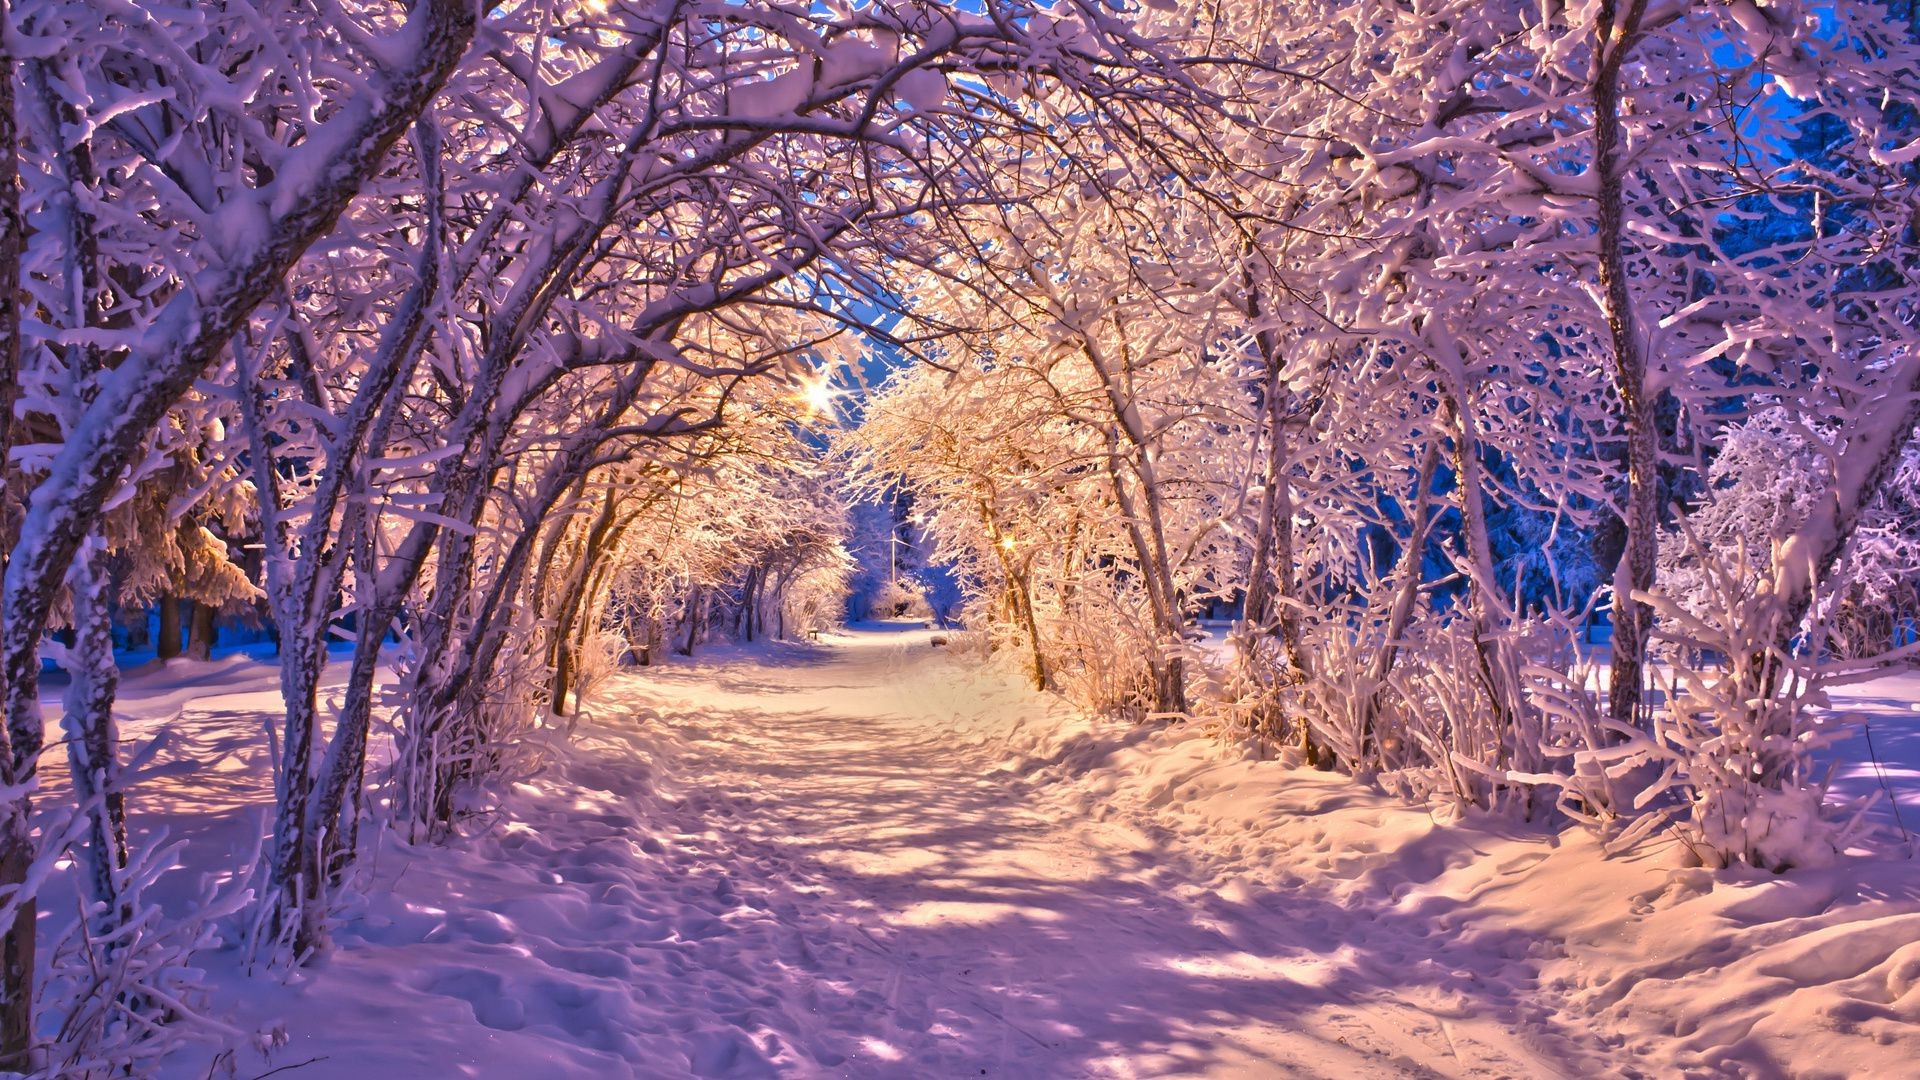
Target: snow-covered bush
1470 752
1730 758
1767 475
1586 759
1255 699
1874 604
1740 731
600 657
1098 652
122 992
1350 710
1762 483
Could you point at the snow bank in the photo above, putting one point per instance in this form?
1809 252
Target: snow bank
1684 971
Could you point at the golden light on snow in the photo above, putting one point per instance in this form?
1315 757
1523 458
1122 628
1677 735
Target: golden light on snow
967 913
1244 966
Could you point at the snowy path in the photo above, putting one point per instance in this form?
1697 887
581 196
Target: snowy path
837 883
865 859
992 933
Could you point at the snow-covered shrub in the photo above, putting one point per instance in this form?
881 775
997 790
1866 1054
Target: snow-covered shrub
1469 753
599 657
122 991
1876 601
1346 706
897 598
1098 649
1738 733
451 761
1253 698
1763 483
1418 712
817 597
1581 753
1730 756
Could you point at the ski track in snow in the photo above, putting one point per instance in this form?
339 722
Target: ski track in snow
842 861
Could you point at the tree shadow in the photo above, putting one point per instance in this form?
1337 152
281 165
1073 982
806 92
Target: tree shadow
976 938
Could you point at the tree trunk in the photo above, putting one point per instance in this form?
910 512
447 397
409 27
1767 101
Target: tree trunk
197 326
16 842
1270 576
1632 617
300 668
1145 527
168 645
330 823
695 615
1406 591
592 549
92 742
749 596
1156 576
312 831
1487 611
201 632
1042 674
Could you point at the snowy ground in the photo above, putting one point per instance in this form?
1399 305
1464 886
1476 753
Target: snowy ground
866 859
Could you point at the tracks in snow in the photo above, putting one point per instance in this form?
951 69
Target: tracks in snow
826 878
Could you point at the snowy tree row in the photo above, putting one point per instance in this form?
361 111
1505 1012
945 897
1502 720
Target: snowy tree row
492 339
485 337
1627 284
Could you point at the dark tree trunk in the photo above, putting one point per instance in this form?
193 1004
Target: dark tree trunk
565 662
201 632
1270 578
749 596
333 816
695 610
168 645
139 634
1632 617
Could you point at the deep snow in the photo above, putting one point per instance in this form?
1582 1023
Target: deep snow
871 858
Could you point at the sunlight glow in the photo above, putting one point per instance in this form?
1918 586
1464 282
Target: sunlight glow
817 393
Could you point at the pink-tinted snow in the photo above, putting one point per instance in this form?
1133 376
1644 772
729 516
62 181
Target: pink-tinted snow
869 858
